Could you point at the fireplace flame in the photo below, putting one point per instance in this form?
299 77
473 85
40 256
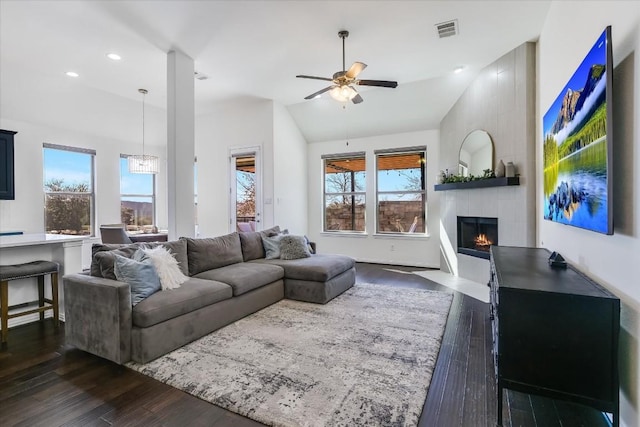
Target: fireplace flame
481 240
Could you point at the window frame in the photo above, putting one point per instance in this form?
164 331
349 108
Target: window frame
423 192
153 195
92 186
353 194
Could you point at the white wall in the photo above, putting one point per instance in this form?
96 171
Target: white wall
613 261
500 101
401 250
290 178
251 123
26 212
233 124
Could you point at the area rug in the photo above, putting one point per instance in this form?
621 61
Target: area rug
364 358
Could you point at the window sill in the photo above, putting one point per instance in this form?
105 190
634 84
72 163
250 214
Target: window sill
362 235
358 234
402 236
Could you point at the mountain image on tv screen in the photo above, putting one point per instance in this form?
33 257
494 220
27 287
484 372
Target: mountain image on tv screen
576 154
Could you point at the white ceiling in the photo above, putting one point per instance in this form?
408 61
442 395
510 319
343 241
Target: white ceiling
249 49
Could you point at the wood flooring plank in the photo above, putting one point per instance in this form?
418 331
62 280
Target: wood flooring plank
143 395
435 395
491 391
454 389
474 410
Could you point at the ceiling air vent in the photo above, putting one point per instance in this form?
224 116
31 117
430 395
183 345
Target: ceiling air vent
200 76
447 29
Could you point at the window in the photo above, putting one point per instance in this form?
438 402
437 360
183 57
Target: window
69 197
137 197
344 192
401 195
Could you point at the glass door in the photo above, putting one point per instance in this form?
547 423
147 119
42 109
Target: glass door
245 191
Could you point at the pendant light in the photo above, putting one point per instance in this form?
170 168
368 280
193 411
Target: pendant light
143 163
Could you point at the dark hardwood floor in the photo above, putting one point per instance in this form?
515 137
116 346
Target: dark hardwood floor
44 382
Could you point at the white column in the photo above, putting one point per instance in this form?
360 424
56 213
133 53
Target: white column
180 145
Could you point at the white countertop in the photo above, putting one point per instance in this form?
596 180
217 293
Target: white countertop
37 239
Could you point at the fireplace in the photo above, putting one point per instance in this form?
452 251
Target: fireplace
476 235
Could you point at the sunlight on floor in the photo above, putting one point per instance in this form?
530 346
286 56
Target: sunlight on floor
473 289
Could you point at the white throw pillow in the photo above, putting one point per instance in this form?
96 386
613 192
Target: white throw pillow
167 267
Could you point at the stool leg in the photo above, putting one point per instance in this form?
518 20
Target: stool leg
4 309
41 295
54 298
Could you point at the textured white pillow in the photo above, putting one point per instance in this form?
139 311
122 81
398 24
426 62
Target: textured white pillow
167 267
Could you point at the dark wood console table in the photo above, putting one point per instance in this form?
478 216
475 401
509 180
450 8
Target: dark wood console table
555 331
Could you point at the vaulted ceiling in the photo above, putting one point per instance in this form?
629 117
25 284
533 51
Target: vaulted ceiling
250 50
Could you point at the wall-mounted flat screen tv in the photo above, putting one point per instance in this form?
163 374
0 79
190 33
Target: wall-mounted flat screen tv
577 152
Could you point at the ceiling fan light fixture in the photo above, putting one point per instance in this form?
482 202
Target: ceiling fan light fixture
343 93
341 89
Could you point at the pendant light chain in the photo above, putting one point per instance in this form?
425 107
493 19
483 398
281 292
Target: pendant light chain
144 96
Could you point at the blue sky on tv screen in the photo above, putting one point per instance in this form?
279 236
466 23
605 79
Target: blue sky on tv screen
597 55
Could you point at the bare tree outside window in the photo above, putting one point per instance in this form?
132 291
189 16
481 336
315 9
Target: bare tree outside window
344 193
246 194
68 190
401 195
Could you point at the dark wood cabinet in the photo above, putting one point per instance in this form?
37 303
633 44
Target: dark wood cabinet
7 184
555 331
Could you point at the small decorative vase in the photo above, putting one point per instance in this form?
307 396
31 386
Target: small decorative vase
500 169
510 170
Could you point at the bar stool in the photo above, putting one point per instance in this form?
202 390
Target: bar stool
37 269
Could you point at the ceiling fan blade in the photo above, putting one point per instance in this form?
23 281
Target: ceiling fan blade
357 99
301 76
381 83
320 92
355 69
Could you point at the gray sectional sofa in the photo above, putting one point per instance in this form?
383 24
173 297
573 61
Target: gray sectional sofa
229 278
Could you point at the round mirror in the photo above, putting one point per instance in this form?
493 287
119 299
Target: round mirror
476 154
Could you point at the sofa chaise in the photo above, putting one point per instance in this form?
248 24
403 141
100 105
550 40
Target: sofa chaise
228 278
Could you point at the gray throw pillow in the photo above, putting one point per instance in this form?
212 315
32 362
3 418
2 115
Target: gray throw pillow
270 232
272 246
251 243
105 260
99 264
294 247
207 254
141 277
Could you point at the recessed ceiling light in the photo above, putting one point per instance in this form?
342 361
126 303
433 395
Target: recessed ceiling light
72 74
458 69
114 56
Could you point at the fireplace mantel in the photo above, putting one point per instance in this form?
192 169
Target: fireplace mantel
480 183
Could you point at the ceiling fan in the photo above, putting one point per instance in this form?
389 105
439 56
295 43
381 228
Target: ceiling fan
343 81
